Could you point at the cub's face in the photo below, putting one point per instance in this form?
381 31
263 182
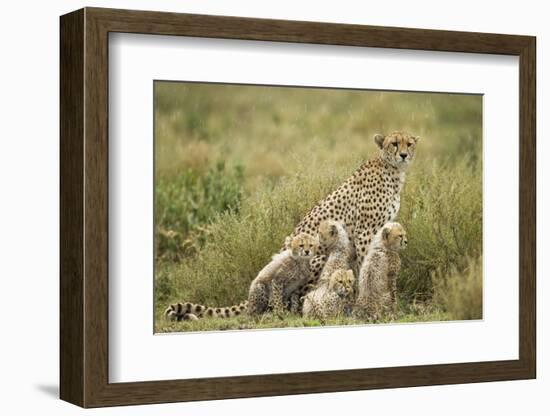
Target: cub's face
397 148
342 282
394 236
302 245
329 232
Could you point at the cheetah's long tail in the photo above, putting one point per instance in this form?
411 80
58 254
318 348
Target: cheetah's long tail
191 311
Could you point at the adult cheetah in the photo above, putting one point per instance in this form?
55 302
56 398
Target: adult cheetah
366 200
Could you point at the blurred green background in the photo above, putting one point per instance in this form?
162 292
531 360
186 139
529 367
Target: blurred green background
237 167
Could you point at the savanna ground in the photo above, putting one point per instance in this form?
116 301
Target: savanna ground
237 167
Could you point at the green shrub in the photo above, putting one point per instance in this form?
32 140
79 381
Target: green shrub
186 203
460 293
441 209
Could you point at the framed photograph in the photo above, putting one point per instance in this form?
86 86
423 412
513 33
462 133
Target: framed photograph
255 207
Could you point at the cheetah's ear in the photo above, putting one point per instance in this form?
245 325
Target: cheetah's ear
333 230
379 140
385 233
416 139
350 274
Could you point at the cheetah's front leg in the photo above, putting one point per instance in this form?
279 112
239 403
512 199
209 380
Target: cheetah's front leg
295 304
276 298
316 265
361 244
392 282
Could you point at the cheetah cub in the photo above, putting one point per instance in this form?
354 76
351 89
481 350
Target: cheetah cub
332 298
275 286
334 289
377 277
287 272
334 238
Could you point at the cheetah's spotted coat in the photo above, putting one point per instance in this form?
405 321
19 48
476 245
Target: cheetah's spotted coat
366 200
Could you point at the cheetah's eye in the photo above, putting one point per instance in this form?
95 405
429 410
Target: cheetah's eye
301 246
409 144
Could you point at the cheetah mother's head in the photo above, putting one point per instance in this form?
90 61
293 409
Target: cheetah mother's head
397 148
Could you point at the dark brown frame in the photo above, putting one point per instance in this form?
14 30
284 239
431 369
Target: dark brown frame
84 207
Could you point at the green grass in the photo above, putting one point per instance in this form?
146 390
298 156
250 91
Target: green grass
238 167
289 321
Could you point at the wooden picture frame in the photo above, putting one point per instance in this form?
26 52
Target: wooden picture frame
84 207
